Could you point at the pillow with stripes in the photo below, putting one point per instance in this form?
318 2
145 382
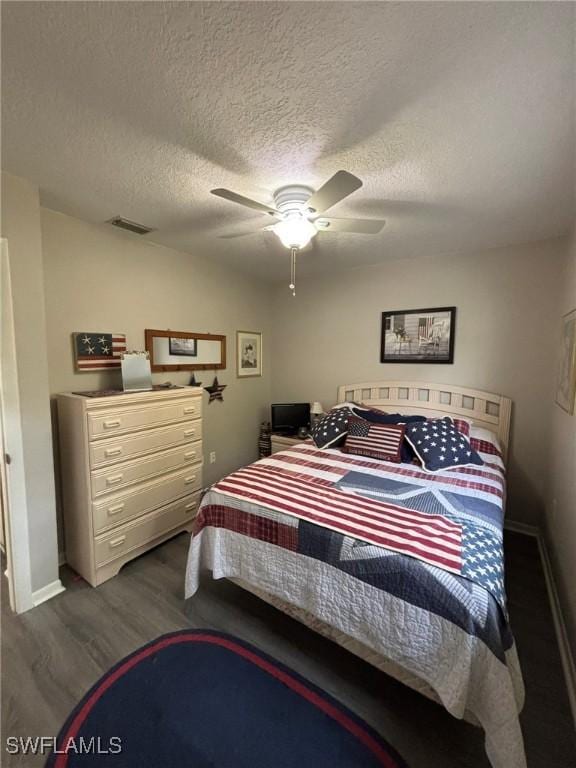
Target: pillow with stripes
407 455
377 441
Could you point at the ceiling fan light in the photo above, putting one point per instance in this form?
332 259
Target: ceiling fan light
295 232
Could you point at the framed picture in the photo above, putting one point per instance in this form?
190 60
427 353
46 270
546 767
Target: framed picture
248 353
184 347
418 336
566 388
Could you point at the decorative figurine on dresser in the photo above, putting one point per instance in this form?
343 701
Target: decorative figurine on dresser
131 473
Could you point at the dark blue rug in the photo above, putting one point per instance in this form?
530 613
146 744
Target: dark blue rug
203 699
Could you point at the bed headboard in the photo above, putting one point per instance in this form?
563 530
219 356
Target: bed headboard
483 409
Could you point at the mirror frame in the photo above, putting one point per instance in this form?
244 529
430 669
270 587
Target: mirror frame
149 334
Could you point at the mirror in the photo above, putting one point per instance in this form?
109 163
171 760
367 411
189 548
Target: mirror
183 351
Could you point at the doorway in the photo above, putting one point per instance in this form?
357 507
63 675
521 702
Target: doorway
12 477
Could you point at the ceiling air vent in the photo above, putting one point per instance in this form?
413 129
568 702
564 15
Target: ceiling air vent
131 226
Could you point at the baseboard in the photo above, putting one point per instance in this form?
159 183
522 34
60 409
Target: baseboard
568 666
47 592
560 626
527 530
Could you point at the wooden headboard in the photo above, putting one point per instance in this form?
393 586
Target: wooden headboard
483 409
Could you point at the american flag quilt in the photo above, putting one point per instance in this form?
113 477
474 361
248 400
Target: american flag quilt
407 563
451 520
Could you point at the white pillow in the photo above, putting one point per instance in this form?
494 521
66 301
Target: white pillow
486 434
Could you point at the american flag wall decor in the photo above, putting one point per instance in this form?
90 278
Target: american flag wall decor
98 351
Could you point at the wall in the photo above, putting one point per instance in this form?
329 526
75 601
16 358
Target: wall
561 496
330 335
101 279
21 227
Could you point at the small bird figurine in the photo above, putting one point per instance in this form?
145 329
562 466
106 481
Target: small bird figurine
215 391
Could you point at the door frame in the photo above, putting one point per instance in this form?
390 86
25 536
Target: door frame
16 530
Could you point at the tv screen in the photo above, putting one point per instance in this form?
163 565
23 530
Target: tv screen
287 418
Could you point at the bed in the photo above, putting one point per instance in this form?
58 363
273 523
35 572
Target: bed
444 633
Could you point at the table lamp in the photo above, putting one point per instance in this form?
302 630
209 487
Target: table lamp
316 411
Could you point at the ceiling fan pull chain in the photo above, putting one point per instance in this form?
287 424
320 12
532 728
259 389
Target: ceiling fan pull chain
293 271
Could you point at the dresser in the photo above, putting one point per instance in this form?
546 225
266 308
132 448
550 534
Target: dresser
131 467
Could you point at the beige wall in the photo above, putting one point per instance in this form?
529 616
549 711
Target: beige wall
330 335
101 279
561 497
21 228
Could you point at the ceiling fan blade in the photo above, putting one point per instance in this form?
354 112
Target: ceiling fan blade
337 188
241 200
238 233
360 226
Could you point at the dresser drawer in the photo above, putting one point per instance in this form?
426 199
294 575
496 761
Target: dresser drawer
132 535
120 420
105 452
144 497
127 473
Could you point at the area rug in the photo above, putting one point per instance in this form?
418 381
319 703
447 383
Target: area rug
203 699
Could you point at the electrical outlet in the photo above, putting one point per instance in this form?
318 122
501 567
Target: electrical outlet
212 457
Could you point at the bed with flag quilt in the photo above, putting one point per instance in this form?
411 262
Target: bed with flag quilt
404 563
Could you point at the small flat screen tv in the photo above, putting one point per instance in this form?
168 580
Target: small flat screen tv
287 418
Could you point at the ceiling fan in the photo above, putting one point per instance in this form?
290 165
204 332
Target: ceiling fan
299 212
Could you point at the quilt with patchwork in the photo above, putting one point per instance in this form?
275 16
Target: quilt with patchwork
360 544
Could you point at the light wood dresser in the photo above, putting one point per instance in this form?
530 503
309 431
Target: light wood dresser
131 474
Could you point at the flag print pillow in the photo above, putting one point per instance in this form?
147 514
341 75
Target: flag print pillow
379 417
377 441
330 431
439 445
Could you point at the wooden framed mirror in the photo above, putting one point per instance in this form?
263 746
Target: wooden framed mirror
185 351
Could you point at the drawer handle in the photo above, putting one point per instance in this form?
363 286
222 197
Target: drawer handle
116 542
114 479
112 451
114 510
189 507
189 480
190 409
112 424
189 432
190 455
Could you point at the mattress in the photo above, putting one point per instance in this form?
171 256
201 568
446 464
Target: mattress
448 629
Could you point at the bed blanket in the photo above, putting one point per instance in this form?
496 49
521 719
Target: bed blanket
448 629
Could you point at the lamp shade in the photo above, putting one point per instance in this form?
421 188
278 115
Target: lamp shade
316 409
295 231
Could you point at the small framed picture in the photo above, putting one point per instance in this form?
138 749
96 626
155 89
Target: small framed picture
566 389
184 347
248 353
418 336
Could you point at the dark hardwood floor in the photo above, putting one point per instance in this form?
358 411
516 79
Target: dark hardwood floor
54 653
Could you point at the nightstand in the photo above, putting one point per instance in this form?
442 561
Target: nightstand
282 442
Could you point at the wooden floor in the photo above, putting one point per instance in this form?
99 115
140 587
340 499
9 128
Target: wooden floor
51 655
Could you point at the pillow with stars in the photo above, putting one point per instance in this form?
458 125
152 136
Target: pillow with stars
439 445
330 431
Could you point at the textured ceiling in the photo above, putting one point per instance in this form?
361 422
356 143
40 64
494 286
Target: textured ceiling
459 118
